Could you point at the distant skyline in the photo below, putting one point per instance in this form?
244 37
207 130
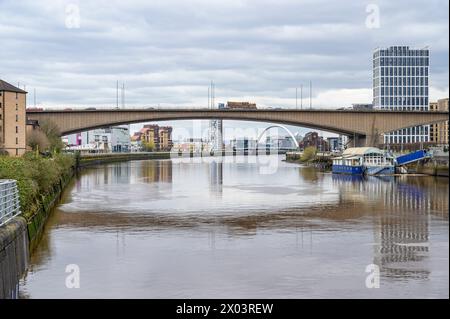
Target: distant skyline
166 53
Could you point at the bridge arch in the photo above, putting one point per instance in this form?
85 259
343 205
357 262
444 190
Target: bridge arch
278 126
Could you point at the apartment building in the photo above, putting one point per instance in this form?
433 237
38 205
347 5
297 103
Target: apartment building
12 119
439 131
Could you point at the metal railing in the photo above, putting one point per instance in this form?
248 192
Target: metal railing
9 200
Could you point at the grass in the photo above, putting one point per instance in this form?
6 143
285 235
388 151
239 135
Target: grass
36 176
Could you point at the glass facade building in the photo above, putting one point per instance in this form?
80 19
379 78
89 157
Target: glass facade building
400 82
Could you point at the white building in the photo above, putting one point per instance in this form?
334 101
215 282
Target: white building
216 132
112 139
400 82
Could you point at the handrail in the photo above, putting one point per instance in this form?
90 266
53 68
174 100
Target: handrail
9 200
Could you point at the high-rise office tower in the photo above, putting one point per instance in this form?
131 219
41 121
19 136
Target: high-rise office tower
400 82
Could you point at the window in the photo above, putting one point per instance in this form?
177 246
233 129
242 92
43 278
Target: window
17 95
17 118
17 140
17 107
17 129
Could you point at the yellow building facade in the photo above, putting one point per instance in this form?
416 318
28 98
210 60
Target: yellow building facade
12 119
439 131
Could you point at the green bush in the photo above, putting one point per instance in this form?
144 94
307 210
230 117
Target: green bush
35 175
308 154
148 146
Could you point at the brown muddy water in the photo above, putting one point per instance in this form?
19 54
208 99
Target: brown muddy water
249 227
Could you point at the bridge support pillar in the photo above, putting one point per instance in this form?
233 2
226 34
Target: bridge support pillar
363 141
356 141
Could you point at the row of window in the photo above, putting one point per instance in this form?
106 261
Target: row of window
97 138
17 117
416 130
399 71
405 91
401 61
405 139
17 106
402 108
401 51
402 101
401 81
17 95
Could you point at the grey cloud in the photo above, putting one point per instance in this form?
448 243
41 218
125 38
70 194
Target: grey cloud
167 51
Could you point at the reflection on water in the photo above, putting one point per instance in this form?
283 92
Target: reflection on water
177 229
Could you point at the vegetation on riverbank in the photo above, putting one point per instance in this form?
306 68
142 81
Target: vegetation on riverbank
310 157
309 154
36 176
96 159
45 138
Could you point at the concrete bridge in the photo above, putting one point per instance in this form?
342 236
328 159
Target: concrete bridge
363 127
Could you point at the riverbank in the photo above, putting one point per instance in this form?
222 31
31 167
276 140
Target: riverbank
14 256
40 181
320 161
95 159
433 169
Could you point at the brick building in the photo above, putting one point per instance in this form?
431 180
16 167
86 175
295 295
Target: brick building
12 119
313 139
439 131
161 136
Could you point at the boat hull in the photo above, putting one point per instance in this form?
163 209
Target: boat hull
346 169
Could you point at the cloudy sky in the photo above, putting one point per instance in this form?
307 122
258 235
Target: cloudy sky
167 52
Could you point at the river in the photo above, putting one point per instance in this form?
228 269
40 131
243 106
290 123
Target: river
249 227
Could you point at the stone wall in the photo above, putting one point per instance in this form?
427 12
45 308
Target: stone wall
14 256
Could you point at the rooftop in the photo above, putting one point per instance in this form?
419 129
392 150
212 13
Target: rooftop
5 86
354 151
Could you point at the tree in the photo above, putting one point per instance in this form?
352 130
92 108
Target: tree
37 140
308 154
53 133
148 146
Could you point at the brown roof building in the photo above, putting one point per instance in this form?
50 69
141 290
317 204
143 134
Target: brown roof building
313 139
12 119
